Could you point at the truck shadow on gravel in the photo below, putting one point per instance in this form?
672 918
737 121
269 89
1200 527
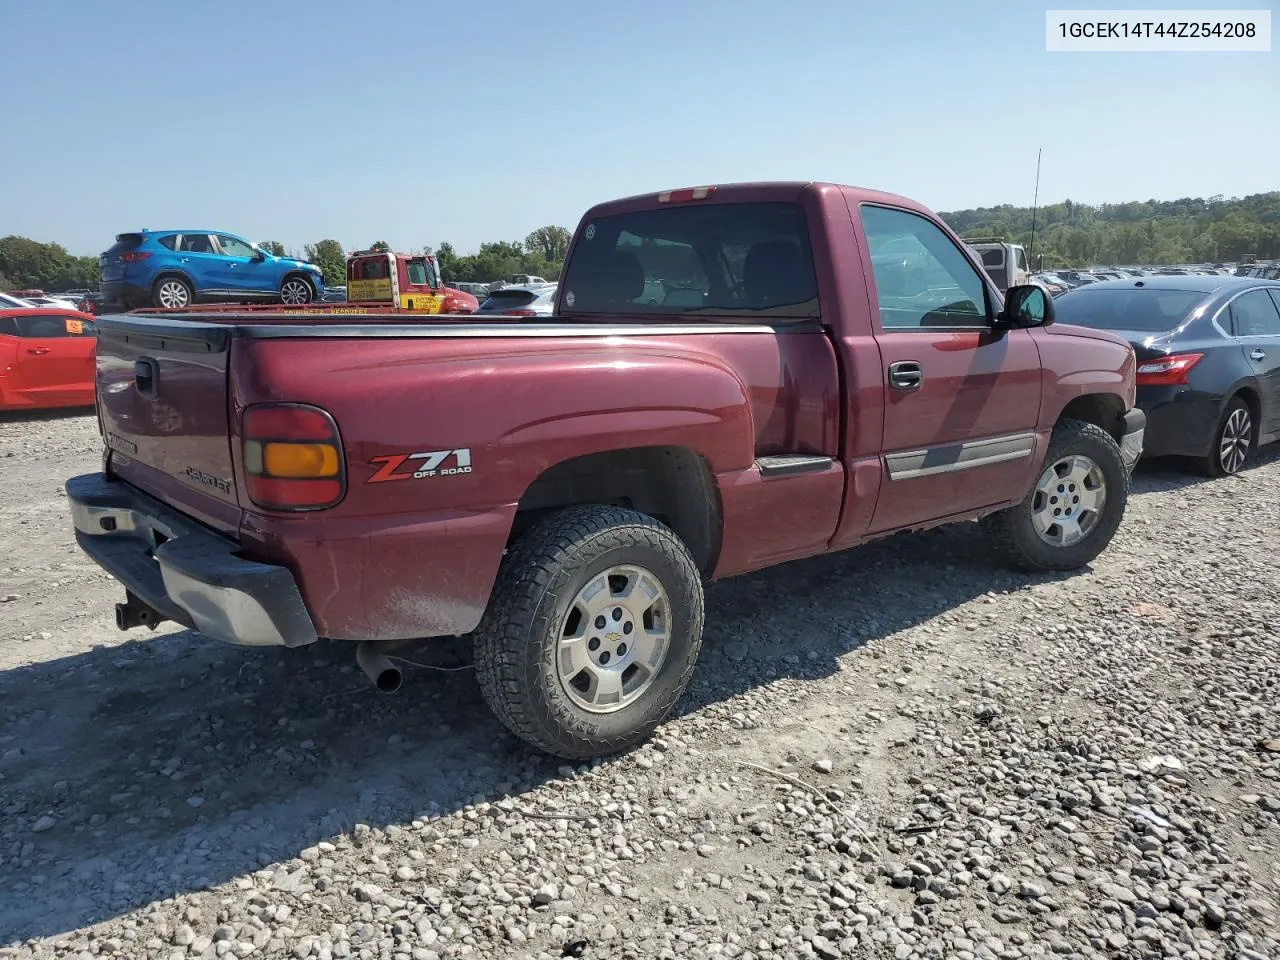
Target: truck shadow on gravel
172 763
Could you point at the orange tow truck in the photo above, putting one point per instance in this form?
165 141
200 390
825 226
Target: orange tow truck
378 282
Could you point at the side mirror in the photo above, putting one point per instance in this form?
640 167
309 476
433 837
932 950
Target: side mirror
259 254
1026 305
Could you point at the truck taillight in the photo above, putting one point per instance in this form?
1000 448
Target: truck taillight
292 457
682 196
1167 371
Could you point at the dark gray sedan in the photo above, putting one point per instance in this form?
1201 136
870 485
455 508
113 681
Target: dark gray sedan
1208 350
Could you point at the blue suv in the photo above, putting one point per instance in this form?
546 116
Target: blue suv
176 268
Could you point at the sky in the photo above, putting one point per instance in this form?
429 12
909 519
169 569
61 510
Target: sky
418 122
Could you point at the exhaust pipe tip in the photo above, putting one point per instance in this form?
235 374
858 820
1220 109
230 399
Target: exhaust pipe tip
386 676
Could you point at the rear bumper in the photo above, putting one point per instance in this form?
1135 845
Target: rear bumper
122 291
1181 421
182 570
1131 443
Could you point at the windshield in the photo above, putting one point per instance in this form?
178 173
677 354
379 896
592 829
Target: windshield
711 259
1143 311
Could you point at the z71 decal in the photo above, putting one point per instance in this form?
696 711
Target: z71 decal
420 465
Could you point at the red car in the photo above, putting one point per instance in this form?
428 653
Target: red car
46 358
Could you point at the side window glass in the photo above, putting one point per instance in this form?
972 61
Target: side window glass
8 326
195 243
1254 314
232 247
169 242
42 327
922 279
1022 259
416 270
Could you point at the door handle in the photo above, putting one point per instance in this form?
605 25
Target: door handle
905 375
38 351
1258 355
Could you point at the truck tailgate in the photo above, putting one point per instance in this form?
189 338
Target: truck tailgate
162 396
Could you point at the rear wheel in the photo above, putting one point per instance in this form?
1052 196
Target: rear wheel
1232 442
295 291
592 633
1074 508
172 293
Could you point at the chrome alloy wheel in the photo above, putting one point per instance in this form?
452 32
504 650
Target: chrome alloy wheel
172 294
614 639
1235 440
295 292
1067 502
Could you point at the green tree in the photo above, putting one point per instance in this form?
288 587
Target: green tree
332 260
380 246
550 243
273 247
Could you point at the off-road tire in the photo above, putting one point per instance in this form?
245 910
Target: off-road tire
516 642
1211 464
165 281
1010 531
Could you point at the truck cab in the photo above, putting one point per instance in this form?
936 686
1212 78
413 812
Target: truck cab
1004 262
404 281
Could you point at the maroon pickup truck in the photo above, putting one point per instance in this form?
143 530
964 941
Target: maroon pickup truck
734 377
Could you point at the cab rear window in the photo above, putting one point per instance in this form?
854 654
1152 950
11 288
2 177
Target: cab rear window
744 259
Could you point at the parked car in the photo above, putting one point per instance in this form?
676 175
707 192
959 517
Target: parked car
1051 282
477 290
58 303
176 268
532 301
1076 278
1208 353
563 488
335 294
46 358
10 302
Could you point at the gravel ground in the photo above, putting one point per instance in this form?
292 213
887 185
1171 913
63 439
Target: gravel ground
902 751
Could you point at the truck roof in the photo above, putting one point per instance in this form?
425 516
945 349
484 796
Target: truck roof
764 190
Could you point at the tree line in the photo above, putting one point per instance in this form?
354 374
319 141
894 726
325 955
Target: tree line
1191 230
1067 234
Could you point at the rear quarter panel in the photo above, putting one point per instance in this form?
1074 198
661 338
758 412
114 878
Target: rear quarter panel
412 556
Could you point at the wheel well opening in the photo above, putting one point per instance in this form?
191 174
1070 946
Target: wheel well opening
170 275
1251 400
674 485
1104 410
299 275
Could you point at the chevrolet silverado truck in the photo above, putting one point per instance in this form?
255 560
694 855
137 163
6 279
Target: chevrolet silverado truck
561 489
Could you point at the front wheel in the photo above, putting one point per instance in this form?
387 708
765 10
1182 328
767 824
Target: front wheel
592 633
295 291
1075 507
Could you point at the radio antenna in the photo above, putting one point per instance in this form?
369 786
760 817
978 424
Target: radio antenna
1034 204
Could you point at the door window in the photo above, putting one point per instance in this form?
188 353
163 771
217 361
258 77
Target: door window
195 243
8 327
1254 314
48 327
922 279
416 270
232 247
